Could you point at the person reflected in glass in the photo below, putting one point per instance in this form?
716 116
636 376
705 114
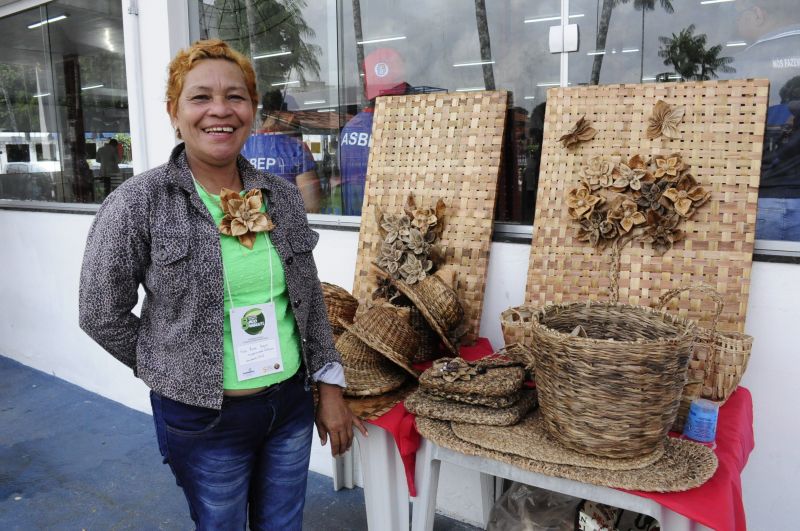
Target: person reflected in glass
278 148
770 39
108 157
533 158
82 176
778 215
233 330
384 71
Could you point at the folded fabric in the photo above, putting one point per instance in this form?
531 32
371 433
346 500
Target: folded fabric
479 400
425 405
486 378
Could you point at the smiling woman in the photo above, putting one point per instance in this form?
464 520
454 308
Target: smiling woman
219 243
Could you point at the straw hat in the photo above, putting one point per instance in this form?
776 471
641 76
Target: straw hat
684 465
436 298
386 329
425 405
366 372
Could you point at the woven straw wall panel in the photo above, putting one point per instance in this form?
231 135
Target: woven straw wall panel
437 146
721 137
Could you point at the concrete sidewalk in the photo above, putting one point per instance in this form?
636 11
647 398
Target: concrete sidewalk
73 460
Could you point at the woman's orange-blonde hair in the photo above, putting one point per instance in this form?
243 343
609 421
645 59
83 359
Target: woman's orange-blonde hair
186 59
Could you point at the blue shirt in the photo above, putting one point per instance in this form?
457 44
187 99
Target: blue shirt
279 154
354 148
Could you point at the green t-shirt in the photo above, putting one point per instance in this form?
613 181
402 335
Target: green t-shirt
246 273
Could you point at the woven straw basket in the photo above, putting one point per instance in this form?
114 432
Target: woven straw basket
340 305
719 359
516 325
614 393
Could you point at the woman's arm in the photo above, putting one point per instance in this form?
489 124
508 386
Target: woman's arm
113 268
310 189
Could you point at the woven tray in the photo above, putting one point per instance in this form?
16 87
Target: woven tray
721 137
444 146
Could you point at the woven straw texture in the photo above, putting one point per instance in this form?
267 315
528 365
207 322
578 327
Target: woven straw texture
366 371
372 407
616 392
444 146
387 329
500 381
340 305
530 439
425 405
719 359
721 137
685 465
478 400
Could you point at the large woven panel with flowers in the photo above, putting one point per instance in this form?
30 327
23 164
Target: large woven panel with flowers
667 174
436 147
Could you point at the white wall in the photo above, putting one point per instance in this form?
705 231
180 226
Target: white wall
38 327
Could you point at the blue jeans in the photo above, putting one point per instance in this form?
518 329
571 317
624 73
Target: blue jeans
778 218
249 458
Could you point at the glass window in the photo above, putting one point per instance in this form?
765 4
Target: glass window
405 47
293 49
64 132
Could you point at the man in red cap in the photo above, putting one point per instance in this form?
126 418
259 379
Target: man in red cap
384 72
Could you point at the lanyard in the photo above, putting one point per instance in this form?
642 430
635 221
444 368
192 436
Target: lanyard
269 259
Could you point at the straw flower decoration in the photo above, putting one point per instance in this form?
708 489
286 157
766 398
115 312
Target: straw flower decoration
687 196
581 202
409 250
581 132
243 217
664 121
647 201
454 369
631 175
598 173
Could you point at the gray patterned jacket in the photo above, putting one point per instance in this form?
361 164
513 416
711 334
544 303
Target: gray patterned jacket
154 230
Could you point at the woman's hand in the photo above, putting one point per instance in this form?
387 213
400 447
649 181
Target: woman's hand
335 420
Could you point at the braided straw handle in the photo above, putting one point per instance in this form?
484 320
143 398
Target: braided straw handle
702 287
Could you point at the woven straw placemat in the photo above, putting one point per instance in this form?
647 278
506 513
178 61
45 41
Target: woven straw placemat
721 138
684 465
529 439
437 146
425 405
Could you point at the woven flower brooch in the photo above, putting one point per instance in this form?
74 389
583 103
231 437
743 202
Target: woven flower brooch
243 218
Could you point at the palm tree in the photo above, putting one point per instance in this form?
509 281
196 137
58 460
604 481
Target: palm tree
485 43
688 55
258 26
605 21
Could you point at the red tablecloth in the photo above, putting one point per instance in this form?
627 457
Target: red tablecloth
716 504
400 423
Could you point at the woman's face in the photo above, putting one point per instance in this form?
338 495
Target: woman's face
214 112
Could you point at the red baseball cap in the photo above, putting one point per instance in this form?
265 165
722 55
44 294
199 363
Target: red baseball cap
384 72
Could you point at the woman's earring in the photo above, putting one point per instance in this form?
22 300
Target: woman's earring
178 132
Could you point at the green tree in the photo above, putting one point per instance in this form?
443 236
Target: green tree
688 55
256 27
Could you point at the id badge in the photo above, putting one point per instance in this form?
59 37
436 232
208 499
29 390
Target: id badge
256 349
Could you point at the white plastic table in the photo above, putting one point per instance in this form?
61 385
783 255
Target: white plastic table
430 457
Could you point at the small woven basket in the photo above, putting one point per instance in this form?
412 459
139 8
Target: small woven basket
340 305
719 359
615 392
516 325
